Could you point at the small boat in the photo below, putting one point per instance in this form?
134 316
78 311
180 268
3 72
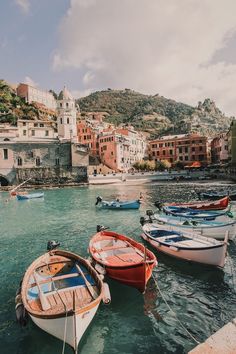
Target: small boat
29 196
122 258
220 204
117 204
193 213
61 292
213 195
213 229
187 246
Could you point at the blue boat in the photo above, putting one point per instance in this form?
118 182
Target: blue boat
29 196
117 204
192 213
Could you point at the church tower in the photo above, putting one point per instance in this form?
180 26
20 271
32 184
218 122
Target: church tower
66 121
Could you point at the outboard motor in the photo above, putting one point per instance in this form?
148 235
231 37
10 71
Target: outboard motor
159 205
52 245
99 200
142 220
101 228
149 213
22 316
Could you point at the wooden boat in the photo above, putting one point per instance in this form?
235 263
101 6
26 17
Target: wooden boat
117 204
213 195
187 246
61 292
213 229
193 213
122 258
220 204
29 196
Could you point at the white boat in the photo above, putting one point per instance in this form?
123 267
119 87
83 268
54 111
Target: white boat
61 292
215 229
187 246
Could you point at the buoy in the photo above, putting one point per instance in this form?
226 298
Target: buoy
106 294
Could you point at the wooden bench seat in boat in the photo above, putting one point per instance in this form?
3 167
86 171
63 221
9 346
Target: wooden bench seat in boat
63 298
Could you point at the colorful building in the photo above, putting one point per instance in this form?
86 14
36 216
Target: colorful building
220 149
186 148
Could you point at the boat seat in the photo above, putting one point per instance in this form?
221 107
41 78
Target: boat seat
51 279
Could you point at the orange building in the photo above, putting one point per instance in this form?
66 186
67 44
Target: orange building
88 137
186 148
220 149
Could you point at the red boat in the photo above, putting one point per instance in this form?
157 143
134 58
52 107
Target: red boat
211 205
122 258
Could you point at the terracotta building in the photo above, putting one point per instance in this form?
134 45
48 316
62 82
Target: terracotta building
220 149
186 148
88 137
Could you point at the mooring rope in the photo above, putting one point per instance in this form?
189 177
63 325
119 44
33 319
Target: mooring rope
182 325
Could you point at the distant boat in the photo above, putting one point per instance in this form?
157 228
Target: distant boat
122 258
61 292
117 204
213 195
187 246
213 229
29 196
220 204
193 213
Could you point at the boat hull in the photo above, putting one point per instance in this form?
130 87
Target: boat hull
29 196
120 205
217 232
64 328
216 196
208 256
136 276
219 204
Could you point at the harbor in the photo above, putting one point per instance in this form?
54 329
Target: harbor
202 298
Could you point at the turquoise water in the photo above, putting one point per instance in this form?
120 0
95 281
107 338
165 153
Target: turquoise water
204 299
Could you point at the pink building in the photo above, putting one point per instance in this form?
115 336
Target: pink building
220 148
33 94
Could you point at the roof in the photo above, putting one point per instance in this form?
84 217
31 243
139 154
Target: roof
65 95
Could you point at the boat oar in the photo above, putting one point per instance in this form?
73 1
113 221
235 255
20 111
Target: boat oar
87 283
44 302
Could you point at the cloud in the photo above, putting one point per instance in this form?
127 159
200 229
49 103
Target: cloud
153 46
30 81
24 5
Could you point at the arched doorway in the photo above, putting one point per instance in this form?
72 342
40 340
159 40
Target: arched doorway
3 181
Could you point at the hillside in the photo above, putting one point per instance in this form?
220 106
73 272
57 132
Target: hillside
13 107
155 114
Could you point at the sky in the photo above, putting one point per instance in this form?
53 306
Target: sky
180 49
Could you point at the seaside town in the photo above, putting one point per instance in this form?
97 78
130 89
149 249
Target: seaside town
67 145
117 177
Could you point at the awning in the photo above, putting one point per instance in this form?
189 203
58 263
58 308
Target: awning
195 164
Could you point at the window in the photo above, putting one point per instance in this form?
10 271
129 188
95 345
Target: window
5 154
46 133
112 153
24 132
171 152
186 149
193 148
67 104
181 158
38 162
61 120
41 125
164 152
19 161
35 124
180 150
186 158
33 132
68 120
57 161
60 104
24 124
